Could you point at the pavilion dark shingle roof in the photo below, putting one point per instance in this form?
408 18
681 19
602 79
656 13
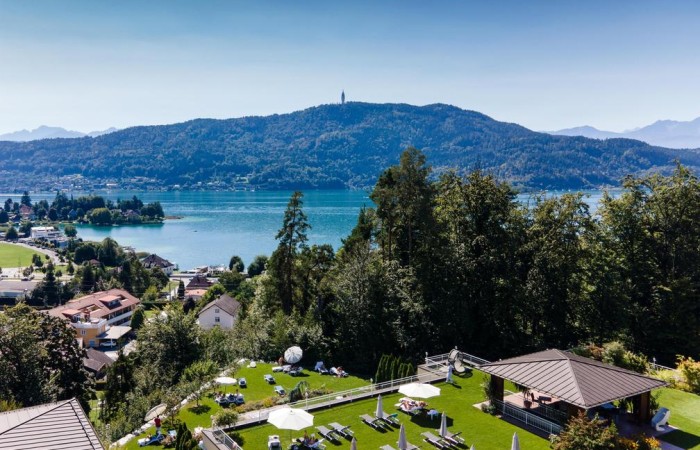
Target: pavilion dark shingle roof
574 379
54 426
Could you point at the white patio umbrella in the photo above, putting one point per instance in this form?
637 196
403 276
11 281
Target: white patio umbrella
353 444
402 442
380 408
293 354
443 425
155 411
516 442
290 419
420 390
226 380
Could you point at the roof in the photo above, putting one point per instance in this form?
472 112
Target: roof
154 260
61 425
199 281
225 303
97 305
576 380
114 332
96 360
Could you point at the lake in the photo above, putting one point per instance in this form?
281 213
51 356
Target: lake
217 225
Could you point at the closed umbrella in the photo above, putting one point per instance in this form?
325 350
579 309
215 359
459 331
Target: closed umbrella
443 425
353 444
420 390
226 380
516 442
402 442
379 413
293 354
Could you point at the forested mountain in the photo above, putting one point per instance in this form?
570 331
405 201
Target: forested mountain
338 146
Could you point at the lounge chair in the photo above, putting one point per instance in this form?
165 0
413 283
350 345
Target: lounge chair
390 419
278 369
295 371
273 442
373 422
327 433
386 447
242 383
438 442
151 440
454 438
269 378
280 390
342 430
660 419
410 446
321 368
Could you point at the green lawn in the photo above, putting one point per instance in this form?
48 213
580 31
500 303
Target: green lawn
16 256
685 415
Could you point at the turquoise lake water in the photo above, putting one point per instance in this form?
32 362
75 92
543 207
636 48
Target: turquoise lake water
217 225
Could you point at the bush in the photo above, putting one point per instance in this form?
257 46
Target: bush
690 371
584 433
226 418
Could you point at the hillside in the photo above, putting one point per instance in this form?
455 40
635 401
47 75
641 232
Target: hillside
334 146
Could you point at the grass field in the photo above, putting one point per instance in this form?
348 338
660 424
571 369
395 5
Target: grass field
16 256
685 415
478 428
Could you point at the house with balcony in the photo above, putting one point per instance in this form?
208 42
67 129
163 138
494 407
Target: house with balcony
101 318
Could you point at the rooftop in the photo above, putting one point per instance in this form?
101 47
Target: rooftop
225 303
97 305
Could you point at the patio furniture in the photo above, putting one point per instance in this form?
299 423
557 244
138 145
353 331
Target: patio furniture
389 419
433 413
373 422
342 430
660 419
386 447
435 440
277 369
280 390
410 406
269 378
454 438
410 446
321 368
295 371
242 383
273 442
326 433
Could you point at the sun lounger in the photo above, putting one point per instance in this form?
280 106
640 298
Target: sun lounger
386 447
390 419
269 378
280 390
295 371
660 419
372 421
242 383
454 438
327 433
410 446
151 440
278 369
435 440
342 430
321 368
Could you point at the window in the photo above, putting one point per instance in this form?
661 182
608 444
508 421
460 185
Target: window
82 332
216 310
217 319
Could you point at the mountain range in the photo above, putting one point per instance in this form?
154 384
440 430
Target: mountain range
664 133
46 132
333 146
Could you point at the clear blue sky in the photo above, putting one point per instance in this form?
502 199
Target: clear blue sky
89 65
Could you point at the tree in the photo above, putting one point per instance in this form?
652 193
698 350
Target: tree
8 205
42 361
120 381
11 234
100 216
184 439
49 291
257 266
87 279
181 290
153 210
26 199
197 374
137 319
231 281
4 217
292 237
70 231
70 268
584 433
236 264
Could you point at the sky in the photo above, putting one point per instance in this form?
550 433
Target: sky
91 65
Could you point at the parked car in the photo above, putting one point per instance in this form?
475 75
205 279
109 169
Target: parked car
108 344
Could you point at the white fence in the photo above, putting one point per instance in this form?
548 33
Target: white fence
225 439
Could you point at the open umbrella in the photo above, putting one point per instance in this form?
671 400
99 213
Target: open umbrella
380 408
443 425
516 442
155 411
402 442
226 380
353 444
420 390
290 419
293 354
